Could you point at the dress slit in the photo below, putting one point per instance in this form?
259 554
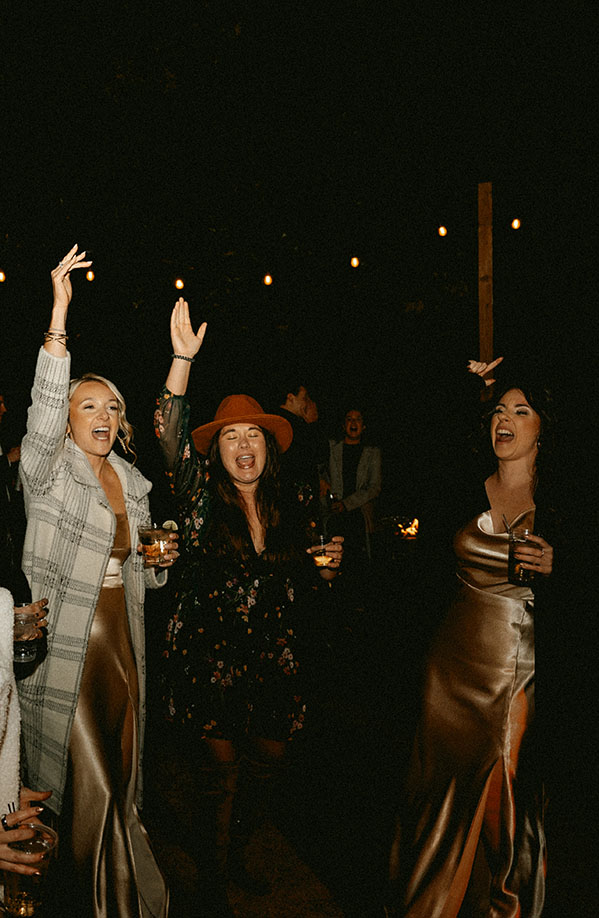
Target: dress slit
477 843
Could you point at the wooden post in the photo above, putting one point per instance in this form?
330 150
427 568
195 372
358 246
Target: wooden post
485 271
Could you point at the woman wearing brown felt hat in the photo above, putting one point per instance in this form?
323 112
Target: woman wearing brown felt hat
232 668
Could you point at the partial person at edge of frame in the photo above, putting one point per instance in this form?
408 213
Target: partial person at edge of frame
467 831
12 792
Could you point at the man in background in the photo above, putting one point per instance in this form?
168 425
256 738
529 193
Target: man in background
355 483
303 461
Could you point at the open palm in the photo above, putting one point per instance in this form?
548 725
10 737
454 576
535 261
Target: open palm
185 341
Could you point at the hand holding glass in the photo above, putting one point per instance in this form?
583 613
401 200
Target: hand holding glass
155 544
27 632
327 556
23 892
319 554
516 574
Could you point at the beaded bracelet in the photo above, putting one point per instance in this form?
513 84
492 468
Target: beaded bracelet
183 357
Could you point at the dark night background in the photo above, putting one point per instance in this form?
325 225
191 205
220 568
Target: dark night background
220 140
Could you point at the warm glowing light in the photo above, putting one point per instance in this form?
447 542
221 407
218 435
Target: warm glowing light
267 279
179 284
355 262
90 275
2 277
410 531
515 223
442 231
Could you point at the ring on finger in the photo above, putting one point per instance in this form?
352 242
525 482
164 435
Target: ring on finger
5 825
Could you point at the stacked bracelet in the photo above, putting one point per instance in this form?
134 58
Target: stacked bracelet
183 357
52 335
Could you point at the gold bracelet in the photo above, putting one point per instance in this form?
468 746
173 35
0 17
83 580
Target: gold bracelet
55 336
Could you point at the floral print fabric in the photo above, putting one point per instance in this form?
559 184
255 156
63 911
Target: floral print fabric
232 656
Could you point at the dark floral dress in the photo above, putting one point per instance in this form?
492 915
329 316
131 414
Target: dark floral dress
231 659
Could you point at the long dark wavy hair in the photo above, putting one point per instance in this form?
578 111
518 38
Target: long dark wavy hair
286 532
539 398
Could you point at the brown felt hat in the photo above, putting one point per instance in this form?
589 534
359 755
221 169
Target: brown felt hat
241 409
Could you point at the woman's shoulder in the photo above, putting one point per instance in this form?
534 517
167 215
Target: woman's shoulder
133 475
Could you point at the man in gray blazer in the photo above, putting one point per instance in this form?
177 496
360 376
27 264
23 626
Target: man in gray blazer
355 483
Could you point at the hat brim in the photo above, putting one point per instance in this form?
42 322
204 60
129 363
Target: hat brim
278 426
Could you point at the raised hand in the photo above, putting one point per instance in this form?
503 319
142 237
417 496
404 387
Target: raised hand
61 281
56 337
185 341
481 369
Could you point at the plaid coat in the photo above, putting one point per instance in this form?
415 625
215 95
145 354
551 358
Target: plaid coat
70 533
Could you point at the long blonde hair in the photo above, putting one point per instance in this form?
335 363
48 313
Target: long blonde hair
125 432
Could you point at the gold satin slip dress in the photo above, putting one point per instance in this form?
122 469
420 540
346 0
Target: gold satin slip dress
111 853
468 835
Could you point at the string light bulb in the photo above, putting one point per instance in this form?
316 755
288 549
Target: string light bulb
516 223
267 280
2 277
179 283
355 261
90 275
442 231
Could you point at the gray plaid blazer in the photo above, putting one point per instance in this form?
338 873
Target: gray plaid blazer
70 533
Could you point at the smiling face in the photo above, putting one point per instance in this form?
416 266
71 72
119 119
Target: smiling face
93 418
242 449
515 427
353 426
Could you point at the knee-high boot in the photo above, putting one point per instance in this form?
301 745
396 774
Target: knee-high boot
219 784
257 779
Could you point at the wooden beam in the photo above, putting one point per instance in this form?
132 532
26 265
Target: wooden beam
485 271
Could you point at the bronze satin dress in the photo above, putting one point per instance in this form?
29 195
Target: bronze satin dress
468 835
108 845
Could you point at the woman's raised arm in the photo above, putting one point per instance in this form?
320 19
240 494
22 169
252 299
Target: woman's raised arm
186 344
482 369
56 336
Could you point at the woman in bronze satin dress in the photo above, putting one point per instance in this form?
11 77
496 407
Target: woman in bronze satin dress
83 706
469 837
